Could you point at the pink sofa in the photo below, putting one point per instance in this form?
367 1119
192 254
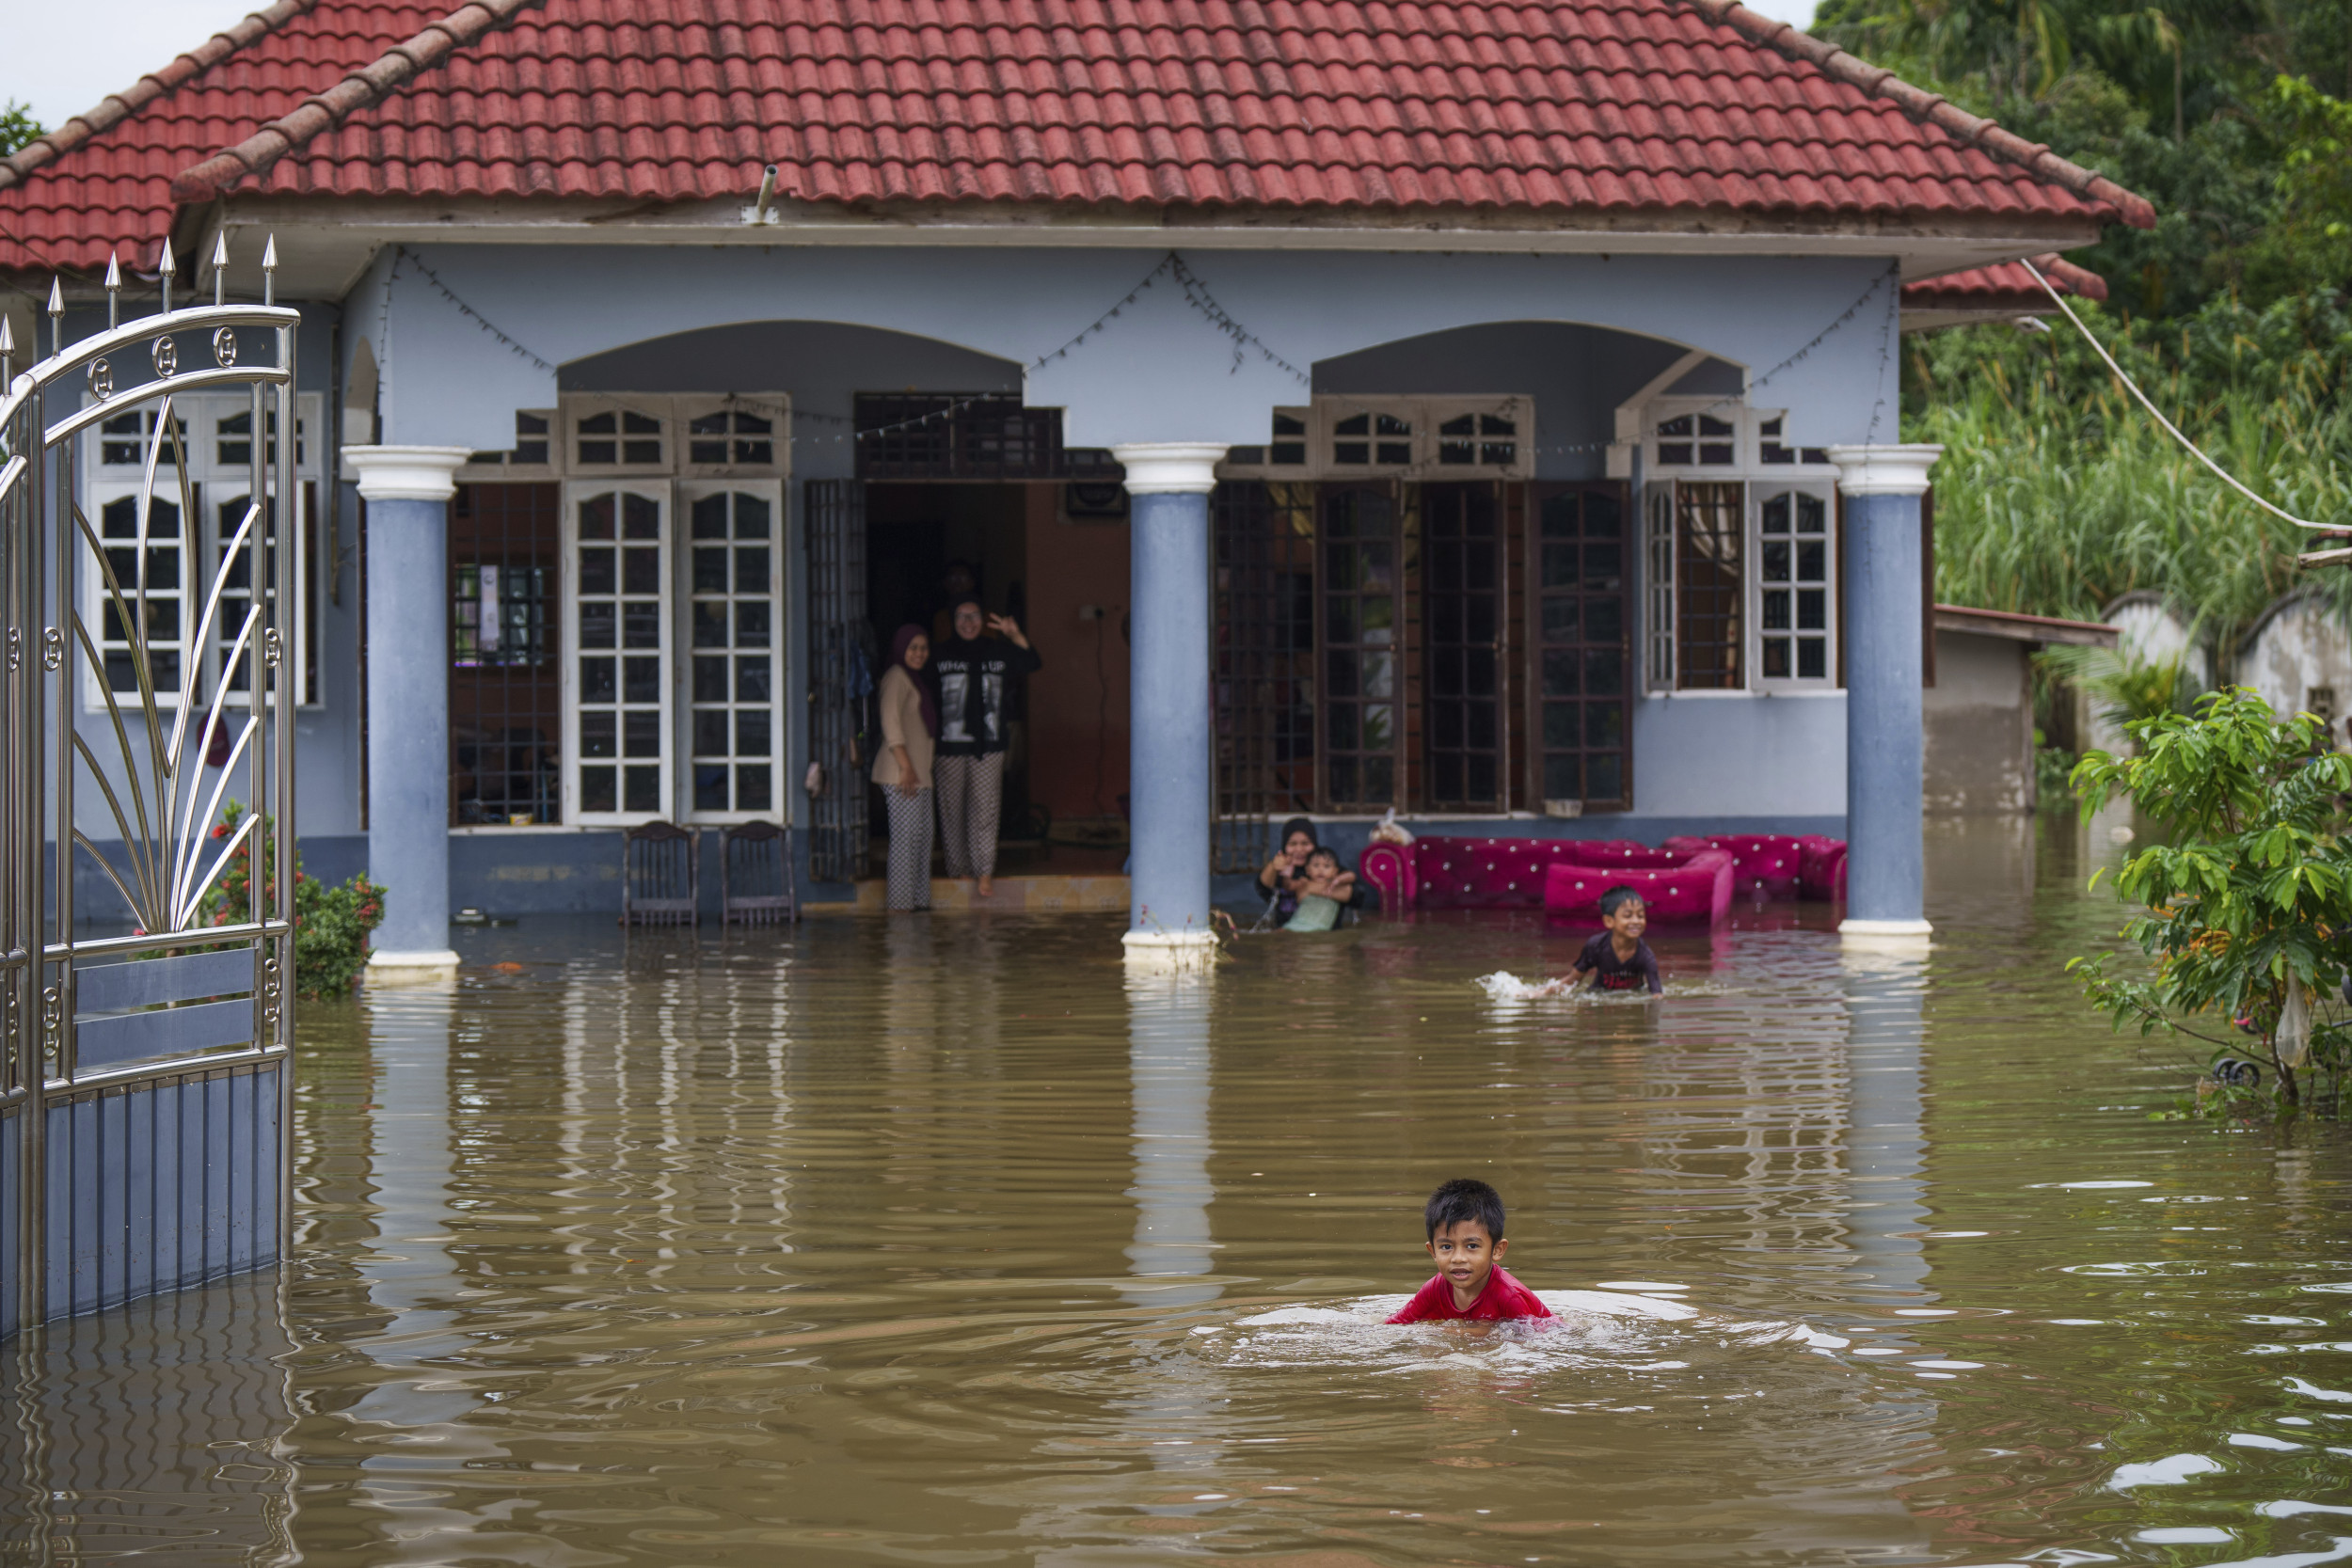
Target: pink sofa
1518 873
1779 865
1693 890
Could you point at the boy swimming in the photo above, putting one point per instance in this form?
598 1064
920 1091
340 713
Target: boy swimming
1618 958
1465 1220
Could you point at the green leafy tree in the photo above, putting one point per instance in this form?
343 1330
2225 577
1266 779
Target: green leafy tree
17 126
331 924
2246 906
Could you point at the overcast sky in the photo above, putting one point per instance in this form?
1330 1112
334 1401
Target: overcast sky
64 56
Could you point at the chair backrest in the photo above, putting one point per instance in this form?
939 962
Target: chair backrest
756 875
658 881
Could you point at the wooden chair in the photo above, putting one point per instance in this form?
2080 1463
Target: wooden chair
756 875
659 881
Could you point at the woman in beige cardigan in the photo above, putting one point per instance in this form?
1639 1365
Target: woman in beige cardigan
910 725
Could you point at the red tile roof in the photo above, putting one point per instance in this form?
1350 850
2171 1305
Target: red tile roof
1620 107
2005 288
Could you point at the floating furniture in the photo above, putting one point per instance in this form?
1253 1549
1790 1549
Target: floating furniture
1684 879
1778 866
1695 890
755 877
658 881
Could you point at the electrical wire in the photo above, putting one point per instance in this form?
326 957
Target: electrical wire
2170 429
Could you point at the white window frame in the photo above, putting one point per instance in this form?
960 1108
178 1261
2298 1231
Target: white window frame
1761 490
773 492
661 493
211 481
1423 443
102 493
654 406
774 408
1661 596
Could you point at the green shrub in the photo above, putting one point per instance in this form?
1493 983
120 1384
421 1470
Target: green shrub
331 924
2246 906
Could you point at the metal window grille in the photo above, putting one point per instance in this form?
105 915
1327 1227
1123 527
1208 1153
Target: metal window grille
1265 665
1360 549
913 436
1463 640
505 697
841 679
1710 586
1582 654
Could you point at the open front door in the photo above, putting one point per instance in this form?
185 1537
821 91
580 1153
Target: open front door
841 677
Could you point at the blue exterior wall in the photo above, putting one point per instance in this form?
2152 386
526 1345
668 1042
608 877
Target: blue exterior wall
1024 305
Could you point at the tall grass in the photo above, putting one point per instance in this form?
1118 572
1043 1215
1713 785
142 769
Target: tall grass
2057 493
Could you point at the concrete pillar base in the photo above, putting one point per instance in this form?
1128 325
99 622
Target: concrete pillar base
1884 933
411 969
1169 952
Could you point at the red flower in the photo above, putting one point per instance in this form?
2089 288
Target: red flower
221 832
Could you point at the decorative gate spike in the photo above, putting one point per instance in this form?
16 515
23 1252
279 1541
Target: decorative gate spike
7 351
57 318
114 292
220 263
269 271
165 269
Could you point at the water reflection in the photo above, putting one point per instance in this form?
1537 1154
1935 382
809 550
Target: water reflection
1167 1053
157 1427
948 1240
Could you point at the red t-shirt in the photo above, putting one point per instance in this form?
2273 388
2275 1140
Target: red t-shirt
1503 1297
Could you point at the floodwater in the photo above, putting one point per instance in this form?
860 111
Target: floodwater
943 1241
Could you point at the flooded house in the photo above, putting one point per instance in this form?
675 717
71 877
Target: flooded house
1487 415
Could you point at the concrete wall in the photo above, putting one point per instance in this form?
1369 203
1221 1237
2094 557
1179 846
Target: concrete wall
1739 756
2299 658
1578 375
1979 726
1030 307
2151 631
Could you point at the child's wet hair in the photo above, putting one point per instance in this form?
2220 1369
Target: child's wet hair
1461 1201
1612 900
1323 852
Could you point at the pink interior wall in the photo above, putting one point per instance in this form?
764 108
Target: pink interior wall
1070 565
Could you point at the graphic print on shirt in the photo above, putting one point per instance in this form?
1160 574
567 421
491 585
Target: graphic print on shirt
953 684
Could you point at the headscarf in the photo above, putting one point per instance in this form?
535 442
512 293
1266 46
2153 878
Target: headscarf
1298 825
899 646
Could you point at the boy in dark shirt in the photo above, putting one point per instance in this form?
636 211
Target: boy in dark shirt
1465 1220
1618 958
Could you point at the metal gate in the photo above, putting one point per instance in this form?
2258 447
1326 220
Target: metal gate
841 677
147 700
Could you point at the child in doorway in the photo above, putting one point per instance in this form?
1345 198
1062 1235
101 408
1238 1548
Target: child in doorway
1618 958
1465 1220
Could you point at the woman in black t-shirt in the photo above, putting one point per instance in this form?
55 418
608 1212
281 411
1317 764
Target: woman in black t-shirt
972 669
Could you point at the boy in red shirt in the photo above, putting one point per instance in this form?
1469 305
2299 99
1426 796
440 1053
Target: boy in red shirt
1465 1219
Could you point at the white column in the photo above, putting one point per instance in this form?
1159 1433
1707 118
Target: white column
1885 733
407 490
1170 777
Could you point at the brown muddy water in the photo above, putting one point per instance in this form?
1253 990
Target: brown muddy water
943 1241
